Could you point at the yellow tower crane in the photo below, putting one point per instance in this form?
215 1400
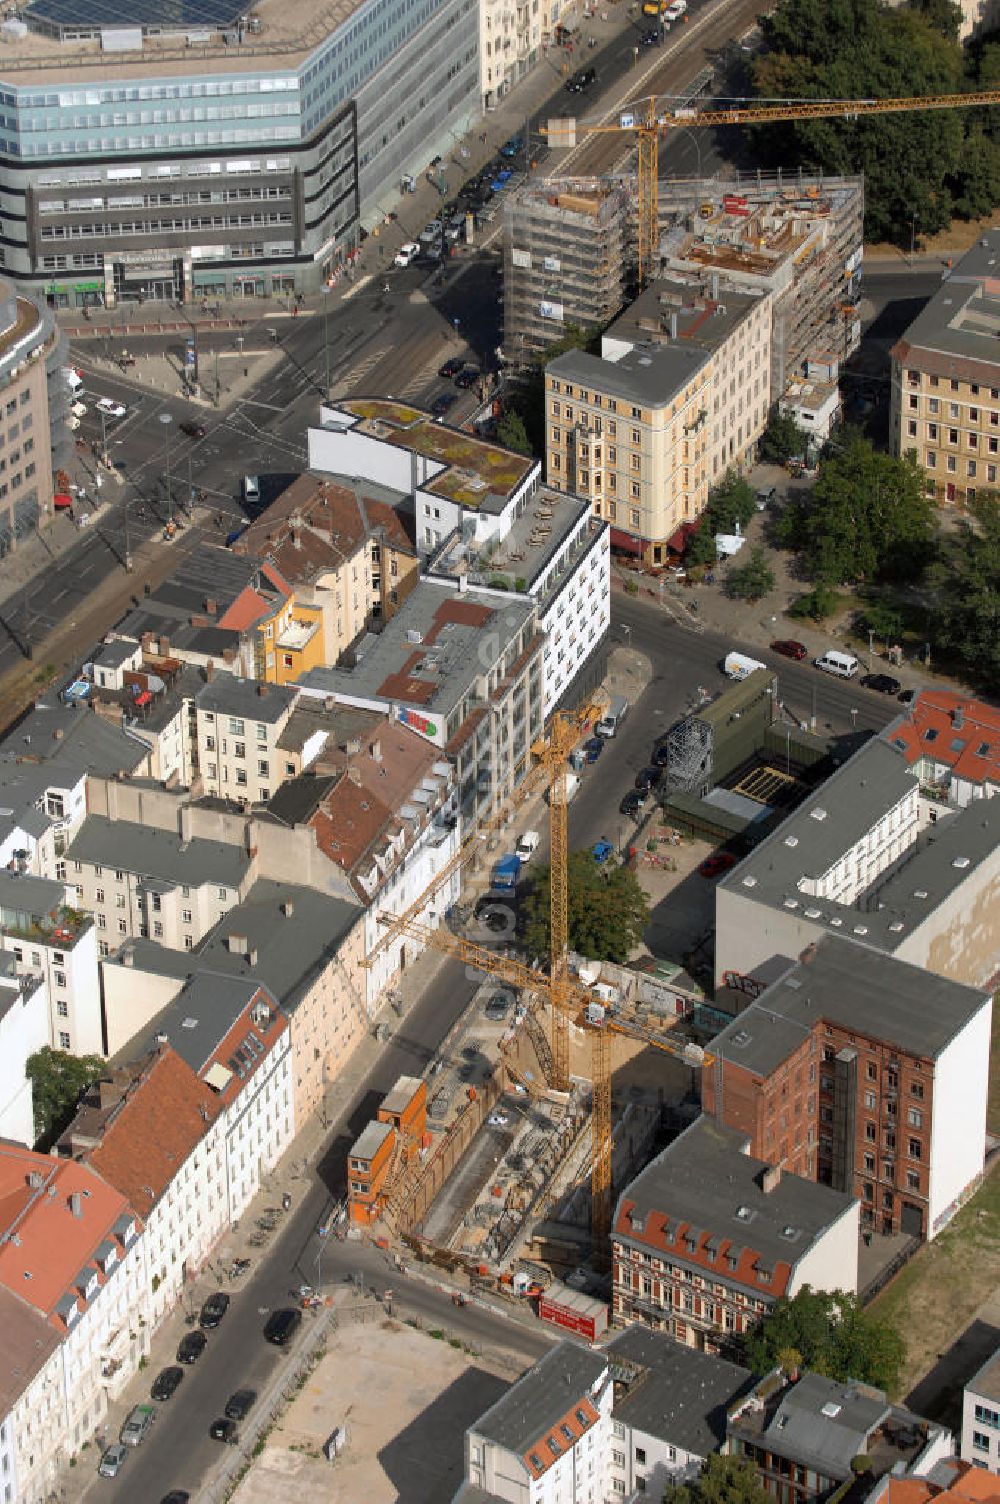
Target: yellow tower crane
646 119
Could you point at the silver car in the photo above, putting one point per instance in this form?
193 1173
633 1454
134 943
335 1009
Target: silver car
112 1460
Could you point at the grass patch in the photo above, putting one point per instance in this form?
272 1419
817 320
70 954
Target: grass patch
937 1294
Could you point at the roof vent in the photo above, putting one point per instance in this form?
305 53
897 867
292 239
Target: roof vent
961 862
920 892
791 840
831 1410
819 813
791 903
190 1023
161 1037
836 922
896 926
744 1214
749 881
814 913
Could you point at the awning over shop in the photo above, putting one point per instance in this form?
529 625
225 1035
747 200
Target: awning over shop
626 543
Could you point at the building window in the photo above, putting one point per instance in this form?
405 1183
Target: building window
915 1117
912 1180
980 1441
63 1040
62 1009
640 1456
988 1417
915 1148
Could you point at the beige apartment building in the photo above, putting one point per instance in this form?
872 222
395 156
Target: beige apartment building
27 336
945 400
239 725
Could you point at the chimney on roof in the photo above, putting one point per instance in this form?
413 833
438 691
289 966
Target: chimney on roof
262 689
34 1180
160 1038
211 605
376 751
288 908
252 955
354 775
186 819
57 734
164 647
148 641
209 671
75 1204
770 1178
958 717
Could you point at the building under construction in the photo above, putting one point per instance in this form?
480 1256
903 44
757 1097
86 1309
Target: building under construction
570 256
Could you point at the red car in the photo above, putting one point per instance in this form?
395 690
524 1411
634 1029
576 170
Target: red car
716 864
789 648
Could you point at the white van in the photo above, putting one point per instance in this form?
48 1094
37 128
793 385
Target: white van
614 715
844 665
675 10
738 666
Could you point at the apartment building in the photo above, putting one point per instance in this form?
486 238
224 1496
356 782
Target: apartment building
802 1435
72 1285
54 945
870 857
981 1417
633 435
865 1073
42 810
464 673
566 260
346 555
66 739
510 39
28 339
154 1131
546 1440
239 723
952 745
708 1237
24 1028
382 805
735 329
945 397
158 883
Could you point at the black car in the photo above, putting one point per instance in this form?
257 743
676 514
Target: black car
649 39
661 755
441 404
214 1309
224 1429
467 378
166 1383
648 778
581 81
451 367
883 684
191 1347
239 1405
192 429
631 804
282 1325
176 1496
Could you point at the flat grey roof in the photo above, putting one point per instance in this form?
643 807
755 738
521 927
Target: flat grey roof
864 991
961 318
199 1018
373 1135
703 322
986 1381
705 1179
679 1395
115 654
554 512
227 695
22 893
538 1401
448 665
73 736
158 854
649 374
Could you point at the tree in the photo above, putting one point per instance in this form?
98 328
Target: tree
752 580
731 504
512 433
817 604
966 581
58 1080
608 911
884 621
723 1480
782 438
834 1335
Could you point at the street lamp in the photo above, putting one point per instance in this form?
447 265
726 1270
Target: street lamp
871 648
166 420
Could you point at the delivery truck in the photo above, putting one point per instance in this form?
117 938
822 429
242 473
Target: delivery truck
506 872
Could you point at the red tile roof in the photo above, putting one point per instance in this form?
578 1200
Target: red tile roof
746 1272
546 1454
315 525
164 1117
54 1216
949 728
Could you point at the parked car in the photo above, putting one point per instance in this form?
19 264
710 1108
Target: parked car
883 684
442 403
600 851
661 755
717 863
192 429
503 177
110 407
407 253
224 1429
282 1325
631 804
112 1460
581 80
511 147
455 228
494 919
593 748
467 378
214 1309
176 1496
431 232
649 39
498 1120
191 1347
167 1383
789 648
499 1002
648 778
239 1405
451 367
137 1425
78 409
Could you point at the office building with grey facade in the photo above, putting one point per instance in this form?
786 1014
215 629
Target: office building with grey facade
208 151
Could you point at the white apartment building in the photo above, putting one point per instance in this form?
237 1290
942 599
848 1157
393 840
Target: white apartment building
548 1439
42 810
57 945
510 38
155 1132
71 1266
981 1417
24 1028
239 724
164 885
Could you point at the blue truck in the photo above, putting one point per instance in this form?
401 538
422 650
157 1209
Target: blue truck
506 872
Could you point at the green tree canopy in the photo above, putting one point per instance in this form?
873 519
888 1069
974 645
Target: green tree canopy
512 433
608 911
832 1333
58 1080
966 622
867 517
752 580
733 501
782 438
848 49
723 1480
